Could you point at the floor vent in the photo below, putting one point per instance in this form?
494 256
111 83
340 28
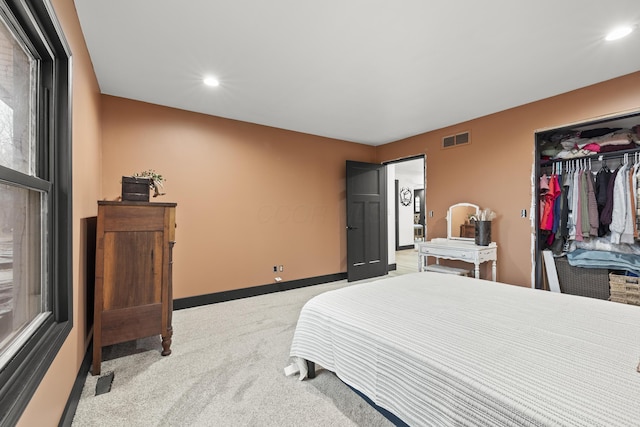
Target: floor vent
103 385
454 140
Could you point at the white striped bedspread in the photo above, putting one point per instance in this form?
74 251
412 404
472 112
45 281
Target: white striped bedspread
441 350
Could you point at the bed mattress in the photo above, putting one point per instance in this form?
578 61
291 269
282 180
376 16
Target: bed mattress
439 349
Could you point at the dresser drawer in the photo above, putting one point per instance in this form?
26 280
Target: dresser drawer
446 253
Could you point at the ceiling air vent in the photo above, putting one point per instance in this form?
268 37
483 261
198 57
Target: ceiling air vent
453 140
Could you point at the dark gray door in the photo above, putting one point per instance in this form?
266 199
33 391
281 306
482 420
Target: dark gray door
366 220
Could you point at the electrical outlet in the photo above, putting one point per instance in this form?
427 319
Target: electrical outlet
275 268
430 214
523 213
281 268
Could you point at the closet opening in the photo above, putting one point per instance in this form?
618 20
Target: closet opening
587 207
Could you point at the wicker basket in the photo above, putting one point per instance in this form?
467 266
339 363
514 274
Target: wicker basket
625 289
586 282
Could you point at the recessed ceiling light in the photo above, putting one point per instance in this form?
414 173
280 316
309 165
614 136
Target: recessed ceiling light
211 81
618 33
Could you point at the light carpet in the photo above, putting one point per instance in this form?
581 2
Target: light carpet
226 369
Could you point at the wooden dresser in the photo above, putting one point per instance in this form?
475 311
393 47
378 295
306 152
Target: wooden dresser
468 230
133 288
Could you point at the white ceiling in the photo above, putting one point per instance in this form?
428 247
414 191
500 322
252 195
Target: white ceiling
368 71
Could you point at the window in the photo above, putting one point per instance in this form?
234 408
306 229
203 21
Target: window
35 199
22 208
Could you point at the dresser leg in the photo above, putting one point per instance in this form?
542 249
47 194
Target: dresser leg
166 342
97 354
97 359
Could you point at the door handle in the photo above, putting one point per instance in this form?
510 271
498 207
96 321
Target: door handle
351 228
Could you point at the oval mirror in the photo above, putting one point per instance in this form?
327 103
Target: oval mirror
459 225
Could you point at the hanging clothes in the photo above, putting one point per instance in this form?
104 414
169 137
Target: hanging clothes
578 204
627 233
584 203
571 214
557 204
602 182
633 190
564 207
620 205
576 232
544 201
551 196
631 199
605 216
594 219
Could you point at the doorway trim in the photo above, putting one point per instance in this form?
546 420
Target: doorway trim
396 195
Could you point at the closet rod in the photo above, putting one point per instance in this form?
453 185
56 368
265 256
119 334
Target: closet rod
596 156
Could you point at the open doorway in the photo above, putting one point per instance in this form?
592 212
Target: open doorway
406 206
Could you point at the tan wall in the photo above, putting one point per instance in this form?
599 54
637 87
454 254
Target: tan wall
50 398
249 197
495 169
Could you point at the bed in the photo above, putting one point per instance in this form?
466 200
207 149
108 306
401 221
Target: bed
436 349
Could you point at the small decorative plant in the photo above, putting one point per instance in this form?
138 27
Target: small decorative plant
156 181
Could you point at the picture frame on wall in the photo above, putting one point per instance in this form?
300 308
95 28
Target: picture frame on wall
405 196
